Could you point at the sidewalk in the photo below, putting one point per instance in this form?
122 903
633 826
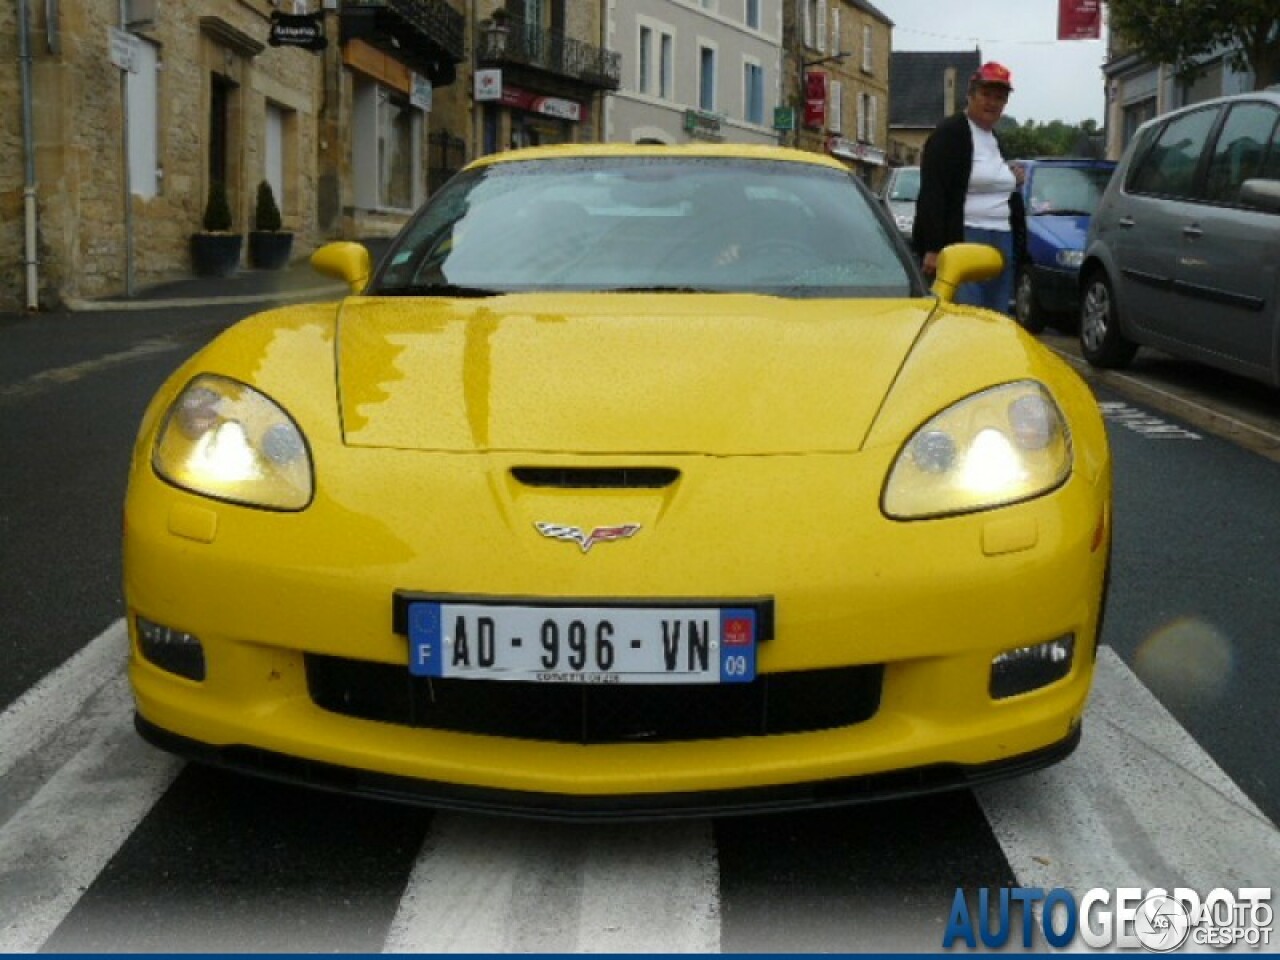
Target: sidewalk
298 281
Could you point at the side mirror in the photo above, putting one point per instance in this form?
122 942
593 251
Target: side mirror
964 263
345 261
1262 194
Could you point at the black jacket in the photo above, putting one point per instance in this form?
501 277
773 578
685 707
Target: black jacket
944 180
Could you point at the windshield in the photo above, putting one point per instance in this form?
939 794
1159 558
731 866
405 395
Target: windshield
906 185
677 224
1067 190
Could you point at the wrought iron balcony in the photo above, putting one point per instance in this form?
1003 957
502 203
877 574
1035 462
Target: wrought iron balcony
428 34
513 40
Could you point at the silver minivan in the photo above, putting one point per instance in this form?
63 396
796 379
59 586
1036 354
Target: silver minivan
1184 249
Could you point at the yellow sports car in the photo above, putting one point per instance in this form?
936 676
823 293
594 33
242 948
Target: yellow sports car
634 482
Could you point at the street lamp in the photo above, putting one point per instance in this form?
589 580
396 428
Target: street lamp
838 57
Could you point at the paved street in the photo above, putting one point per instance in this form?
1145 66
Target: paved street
106 843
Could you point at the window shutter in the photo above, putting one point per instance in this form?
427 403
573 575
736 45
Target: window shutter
821 31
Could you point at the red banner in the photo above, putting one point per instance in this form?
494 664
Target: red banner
1079 19
815 99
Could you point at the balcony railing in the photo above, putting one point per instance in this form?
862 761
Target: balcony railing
515 41
435 20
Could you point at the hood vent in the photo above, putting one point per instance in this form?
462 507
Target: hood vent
597 478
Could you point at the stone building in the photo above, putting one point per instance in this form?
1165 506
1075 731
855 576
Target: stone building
353 113
839 80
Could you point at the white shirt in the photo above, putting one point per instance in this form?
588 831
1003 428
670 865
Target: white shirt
986 205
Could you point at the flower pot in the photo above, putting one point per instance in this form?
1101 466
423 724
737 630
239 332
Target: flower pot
269 249
215 254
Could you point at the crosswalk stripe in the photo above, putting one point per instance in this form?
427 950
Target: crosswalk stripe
484 886
59 840
42 711
1139 804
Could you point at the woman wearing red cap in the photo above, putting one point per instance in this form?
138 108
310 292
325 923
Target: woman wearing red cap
966 188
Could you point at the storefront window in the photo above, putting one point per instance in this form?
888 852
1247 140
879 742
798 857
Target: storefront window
396 123
387 148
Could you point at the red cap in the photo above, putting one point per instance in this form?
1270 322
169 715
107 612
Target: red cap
995 73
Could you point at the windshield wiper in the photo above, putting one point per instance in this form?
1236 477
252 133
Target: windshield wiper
439 290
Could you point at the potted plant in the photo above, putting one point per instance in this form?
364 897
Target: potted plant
215 251
269 244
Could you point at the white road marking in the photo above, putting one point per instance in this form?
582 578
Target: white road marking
47 379
41 712
491 886
1139 804
1146 424
83 781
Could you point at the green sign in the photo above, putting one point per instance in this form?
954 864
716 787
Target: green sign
784 118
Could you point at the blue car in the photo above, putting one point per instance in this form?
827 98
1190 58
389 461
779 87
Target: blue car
1060 195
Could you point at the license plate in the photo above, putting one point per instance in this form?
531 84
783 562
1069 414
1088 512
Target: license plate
554 644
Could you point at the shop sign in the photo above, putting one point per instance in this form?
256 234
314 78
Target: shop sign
1079 19
784 118
852 150
557 107
815 99
305 30
704 126
488 85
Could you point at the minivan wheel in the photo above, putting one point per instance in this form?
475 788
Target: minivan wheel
1026 308
1101 341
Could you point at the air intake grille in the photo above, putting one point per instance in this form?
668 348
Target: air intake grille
592 713
585 478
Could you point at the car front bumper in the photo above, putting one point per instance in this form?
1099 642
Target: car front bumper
927 604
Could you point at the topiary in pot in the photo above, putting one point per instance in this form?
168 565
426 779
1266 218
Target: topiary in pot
269 245
216 251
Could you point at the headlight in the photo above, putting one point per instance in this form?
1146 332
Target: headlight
1071 259
225 440
997 447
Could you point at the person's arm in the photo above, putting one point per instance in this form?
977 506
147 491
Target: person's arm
928 234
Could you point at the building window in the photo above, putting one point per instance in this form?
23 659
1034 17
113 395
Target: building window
654 66
835 109
706 78
387 147
666 67
144 115
645 59
868 117
273 151
868 61
753 93
835 30
752 15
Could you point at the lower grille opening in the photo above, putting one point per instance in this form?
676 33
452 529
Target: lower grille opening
777 703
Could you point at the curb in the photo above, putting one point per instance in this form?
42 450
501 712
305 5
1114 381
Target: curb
327 292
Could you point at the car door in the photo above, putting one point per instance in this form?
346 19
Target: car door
1145 228
1228 263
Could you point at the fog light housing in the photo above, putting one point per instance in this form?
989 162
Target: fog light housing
171 649
1024 669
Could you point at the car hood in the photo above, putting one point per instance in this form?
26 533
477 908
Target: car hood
620 373
1061 232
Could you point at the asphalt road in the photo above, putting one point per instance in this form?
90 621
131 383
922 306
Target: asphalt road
106 844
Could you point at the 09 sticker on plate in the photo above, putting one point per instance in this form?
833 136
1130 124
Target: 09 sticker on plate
581 644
